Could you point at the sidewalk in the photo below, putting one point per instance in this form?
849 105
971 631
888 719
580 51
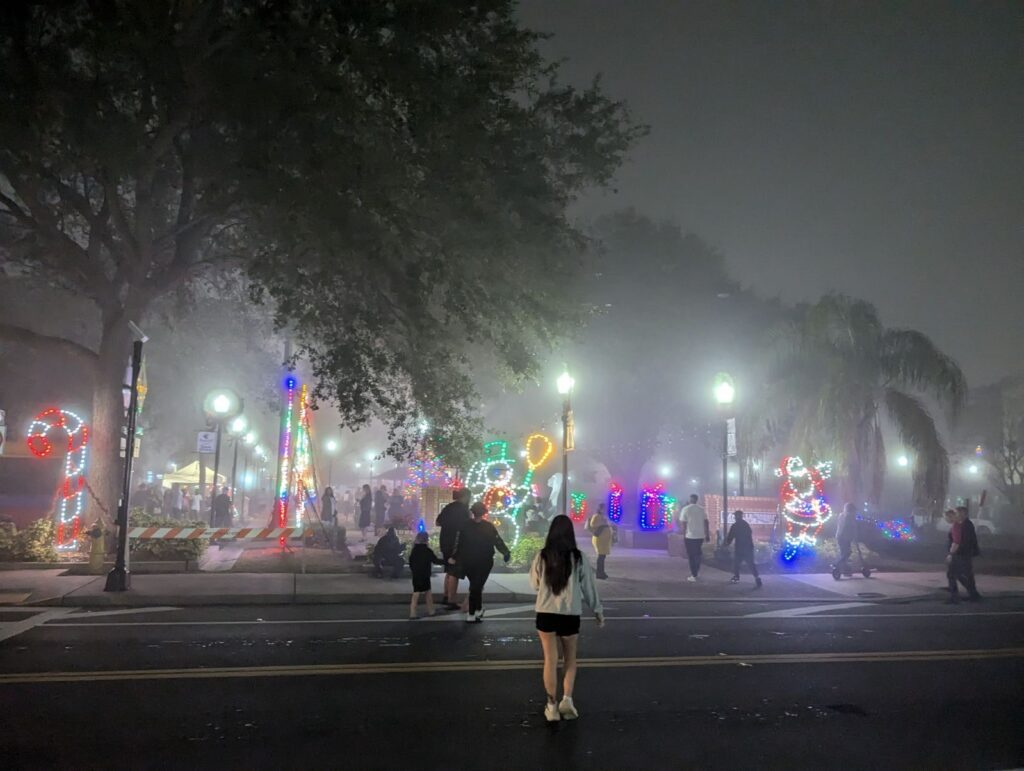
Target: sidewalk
636 574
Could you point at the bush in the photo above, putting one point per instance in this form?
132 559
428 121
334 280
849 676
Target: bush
32 544
164 550
529 546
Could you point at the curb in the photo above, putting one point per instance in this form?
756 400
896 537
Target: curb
130 600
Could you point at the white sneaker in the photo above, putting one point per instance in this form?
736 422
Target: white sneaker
568 709
470 618
551 713
692 579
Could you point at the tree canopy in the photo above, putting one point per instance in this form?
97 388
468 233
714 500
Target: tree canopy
391 177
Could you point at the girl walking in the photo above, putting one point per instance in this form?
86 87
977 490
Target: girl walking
562 578
474 554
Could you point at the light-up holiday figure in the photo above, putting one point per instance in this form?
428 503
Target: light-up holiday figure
804 506
71 492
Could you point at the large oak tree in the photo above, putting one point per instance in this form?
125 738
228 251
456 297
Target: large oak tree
392 178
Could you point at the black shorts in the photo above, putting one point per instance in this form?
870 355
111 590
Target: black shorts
563 626
451 570
421 583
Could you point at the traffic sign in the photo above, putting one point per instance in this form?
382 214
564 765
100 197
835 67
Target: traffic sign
206 442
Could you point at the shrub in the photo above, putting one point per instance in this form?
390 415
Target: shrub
529 546
32 544
164 550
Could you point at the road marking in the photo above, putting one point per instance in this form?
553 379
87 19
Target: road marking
122 612
461 617
306 670
455 616
14 628
806 610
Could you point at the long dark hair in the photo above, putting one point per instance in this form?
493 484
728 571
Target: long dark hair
559 554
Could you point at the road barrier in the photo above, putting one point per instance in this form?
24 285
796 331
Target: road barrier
214 533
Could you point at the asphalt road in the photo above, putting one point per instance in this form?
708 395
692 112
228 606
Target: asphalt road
664 685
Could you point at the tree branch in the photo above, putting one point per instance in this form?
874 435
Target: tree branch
12 333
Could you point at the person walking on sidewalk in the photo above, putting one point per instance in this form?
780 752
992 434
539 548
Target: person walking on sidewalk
421 560
601 536
693 522
222 509
451 519
474 553
963 548
562 578
743 551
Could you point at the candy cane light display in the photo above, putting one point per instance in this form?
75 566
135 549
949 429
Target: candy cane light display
71 492
804 506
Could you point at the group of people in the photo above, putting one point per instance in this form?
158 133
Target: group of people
560 574
177 501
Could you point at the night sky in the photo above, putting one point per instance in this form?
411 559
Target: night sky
872 148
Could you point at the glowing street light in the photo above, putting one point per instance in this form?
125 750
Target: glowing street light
565 385
973 468
331 445
903 461
665 470
725 394
220 405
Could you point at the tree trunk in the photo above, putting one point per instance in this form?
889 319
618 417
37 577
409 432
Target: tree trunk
106 465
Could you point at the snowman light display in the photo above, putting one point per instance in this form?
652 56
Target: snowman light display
804 506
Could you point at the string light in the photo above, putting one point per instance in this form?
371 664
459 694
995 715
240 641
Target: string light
71 491
577 507
896 530
285 453
615 503
804 506
428 470
654 508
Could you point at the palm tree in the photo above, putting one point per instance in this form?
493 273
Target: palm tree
836 372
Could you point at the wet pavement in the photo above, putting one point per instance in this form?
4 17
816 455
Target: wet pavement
671 684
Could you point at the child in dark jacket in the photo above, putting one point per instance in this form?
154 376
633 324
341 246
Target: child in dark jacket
421 559
744 550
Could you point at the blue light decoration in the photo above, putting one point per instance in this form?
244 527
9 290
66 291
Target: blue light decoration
804 506
421 526
654 508
896 530
615 503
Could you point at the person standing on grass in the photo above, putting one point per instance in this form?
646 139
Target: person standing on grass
421 560
963 548
450 520
562 578
474 554
693 523
601 536
743 551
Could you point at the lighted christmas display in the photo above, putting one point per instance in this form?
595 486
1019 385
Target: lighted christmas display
428 470
615 503
655 508
896 530
577 507
71 491
284 467
304 485
804 506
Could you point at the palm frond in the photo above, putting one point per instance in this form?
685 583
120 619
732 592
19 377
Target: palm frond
917 430
910 359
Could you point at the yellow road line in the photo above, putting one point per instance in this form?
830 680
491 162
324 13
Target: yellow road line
416 667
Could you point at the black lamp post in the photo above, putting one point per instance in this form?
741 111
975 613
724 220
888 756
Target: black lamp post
725 394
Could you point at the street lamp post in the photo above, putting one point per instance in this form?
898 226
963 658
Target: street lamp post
725 393
220 404
332 447
237 431
565 385
248 440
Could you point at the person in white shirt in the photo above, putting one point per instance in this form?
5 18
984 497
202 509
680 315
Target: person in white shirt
692 522
562 578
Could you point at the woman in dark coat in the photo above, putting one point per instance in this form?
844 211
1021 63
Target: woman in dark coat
365 505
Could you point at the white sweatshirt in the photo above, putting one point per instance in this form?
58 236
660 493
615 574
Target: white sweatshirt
582 586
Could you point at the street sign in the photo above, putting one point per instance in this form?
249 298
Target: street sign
206 442
730 442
